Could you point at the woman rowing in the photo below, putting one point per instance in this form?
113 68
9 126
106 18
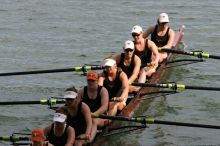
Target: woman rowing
59 133
161 34
96 97
129 62
78 116
116 82
144 49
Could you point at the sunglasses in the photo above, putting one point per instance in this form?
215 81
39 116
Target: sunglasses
163 23
128 50
69 100
90 80
135 34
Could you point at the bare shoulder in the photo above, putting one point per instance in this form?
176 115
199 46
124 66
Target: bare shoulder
171 32
85 107
117 57
104 90
123 76
81 91
136 58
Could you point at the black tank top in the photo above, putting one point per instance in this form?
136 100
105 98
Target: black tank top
94 104
78 122
127 69
145 55
57 140
160 41
114 87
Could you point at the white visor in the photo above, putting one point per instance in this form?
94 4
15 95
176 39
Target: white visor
137 29
58 117
109 62
70 95
129 45
163 18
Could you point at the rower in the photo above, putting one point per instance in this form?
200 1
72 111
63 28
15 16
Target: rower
78 116
38 138
161 34
144 48
96 97
116 82
129 63
59 133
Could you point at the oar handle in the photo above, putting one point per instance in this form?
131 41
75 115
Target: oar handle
120 118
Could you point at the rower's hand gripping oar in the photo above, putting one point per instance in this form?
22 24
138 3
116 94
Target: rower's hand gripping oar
174 86
147 120
198 54
83 68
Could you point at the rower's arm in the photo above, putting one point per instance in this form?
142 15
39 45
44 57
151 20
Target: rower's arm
70 136
101 79
149 31
155 52
104 102
47 131
80 93
117 58
171 36
88 117
137 65
125 86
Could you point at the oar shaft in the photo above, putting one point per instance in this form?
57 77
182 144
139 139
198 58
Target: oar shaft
175 86
38 72
186 124
150 85
14 138
113 118
81 68
214 57
202 88
44 102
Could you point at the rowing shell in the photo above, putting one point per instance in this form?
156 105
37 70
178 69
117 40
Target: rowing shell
134 103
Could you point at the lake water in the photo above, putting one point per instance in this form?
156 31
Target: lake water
52 34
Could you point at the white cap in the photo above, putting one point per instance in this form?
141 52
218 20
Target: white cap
163 18
70 95
129 45
137 29
109 62
58 117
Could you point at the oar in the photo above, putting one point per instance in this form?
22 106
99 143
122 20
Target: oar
147 120
198 54
42 101
175 86
14 138
77 69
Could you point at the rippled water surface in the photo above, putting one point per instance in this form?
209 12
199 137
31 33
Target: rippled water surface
39 34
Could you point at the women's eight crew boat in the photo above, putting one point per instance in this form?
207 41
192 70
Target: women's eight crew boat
135 101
